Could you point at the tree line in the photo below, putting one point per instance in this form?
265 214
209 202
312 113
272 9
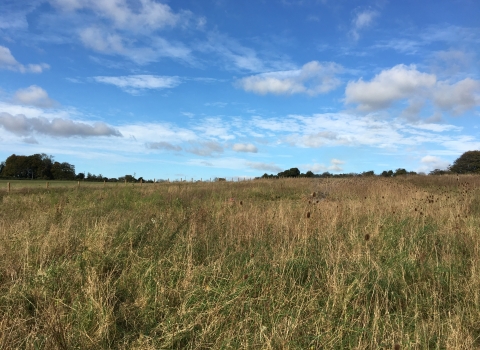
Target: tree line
43 167
467 163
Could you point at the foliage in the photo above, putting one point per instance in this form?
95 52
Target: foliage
37 166
293 172
467 163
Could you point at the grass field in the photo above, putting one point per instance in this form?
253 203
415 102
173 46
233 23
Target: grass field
366 263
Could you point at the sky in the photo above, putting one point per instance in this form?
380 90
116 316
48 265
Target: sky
226 88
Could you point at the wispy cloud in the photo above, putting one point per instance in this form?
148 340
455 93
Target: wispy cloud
136 83
163 146
264 166
362 20
245 147
7 61
313 78
206 148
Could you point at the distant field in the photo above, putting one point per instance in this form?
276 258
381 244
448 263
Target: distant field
30 184
360 263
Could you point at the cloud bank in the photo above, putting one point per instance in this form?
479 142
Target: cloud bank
21 125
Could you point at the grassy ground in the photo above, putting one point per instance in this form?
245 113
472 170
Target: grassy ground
367 263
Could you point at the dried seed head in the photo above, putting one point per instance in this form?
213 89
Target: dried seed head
308 215
397 347
314 194
245 277
241 202
367 236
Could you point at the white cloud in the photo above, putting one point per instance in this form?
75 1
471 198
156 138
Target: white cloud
313 78
264 166
123 15
206 148
388 86
21 125
336 165
458 98
136 83
245 147
430 163
163 146
33 96
361 21
7 61
406 82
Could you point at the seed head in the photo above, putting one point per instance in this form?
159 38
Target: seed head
367 236
397 347
308 215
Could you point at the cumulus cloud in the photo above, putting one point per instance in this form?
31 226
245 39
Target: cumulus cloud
163 146
245 147
264 166
388 86
361 21
336 165
21 125
136 83
430 163
407 83
458 98
33 96
313 78
207 148
7 61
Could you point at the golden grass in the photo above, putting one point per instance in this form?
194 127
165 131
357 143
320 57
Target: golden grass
366 263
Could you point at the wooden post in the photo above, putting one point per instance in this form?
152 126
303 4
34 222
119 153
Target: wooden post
47 185
8 187
78 184
141 181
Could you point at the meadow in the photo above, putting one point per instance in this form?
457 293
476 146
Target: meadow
356 263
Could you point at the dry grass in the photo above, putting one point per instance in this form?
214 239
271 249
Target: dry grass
363 264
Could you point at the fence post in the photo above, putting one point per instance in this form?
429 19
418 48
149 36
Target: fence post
47 185
78 184
8 187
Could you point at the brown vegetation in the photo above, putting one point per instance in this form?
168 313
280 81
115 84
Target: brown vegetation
378 263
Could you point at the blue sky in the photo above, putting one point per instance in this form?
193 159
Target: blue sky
223 88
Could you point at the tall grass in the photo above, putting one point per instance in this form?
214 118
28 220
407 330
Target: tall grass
378 263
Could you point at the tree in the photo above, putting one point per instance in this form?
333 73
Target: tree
467 163
399 172
387 173
293 172
63 171
368 173
309 174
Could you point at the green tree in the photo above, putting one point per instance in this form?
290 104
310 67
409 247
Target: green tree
63 171
467 163
292 172
309 174
399 172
